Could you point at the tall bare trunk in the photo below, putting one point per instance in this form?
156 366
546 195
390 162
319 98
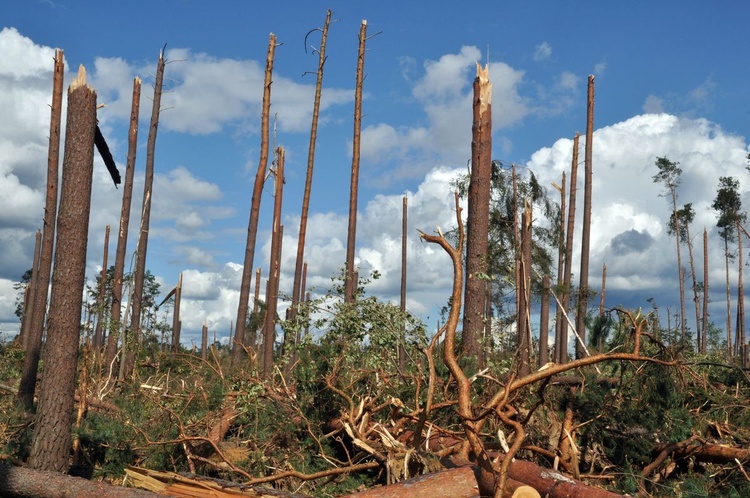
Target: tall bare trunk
544 324
583 286
255 341
122 237
102 313
604 288
30 293
568 273
204 342
559 315
696 299
274 270
524 325
52 428
176 322
350 285
680 273
296 288
142 247
702 345
729 300
252 228
401 348
27 385
740 342
478 214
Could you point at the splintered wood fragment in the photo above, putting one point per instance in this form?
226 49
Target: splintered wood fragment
80 79
485 87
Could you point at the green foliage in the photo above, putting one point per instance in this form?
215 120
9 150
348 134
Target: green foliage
729 206
20 288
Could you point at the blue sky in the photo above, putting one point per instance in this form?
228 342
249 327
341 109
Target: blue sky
670 80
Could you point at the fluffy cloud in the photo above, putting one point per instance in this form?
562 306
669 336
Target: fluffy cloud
543 51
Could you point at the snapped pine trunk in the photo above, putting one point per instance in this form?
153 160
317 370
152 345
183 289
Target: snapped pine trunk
478 216
52 428
563 326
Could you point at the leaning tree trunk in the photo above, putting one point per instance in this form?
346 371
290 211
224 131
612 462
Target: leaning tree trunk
122 237
274 271
52 427
696 299
350 284
568 273
30 294
142 248
27 385
583 286
238 345
680 274
478 215
297 289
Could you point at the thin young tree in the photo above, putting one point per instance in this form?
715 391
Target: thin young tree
30 293
274 271
702 345
728 205
142 246
544 323
669 176
122 236
685 217
583 285
102 311
478 215
238 344
51 444
27 385
560 268
350 285
401 348
523 328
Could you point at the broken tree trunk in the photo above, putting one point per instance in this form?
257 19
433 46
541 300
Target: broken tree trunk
238 344
176 323
350 285
122 237
19 482
569 232
36 327
274 272
99 330
52 427
478 215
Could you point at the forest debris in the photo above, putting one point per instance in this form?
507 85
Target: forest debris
171 484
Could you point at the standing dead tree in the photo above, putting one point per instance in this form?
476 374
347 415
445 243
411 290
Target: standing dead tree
102 314
142 247
401 348
238 347
274 272
39 308
478 217
30 293
350 285
52 428
122 237
583 285
176 322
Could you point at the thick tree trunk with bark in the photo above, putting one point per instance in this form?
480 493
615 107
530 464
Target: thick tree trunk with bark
350 285
583 286
238 344
122 236
142 247
478 215
39 309
52 428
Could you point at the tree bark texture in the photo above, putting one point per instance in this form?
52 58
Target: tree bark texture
238 349
36 327
99 330
478 214
19 482
583 286
142 248
52 428
30 295
122 236
350 285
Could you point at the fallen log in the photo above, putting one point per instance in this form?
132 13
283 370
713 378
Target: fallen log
20 482
461 482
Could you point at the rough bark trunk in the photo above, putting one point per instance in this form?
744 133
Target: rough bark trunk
568 272
238 349
583 286
350 285
19 482
478 215
274 271
52 428
122 237
142 247
36 327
